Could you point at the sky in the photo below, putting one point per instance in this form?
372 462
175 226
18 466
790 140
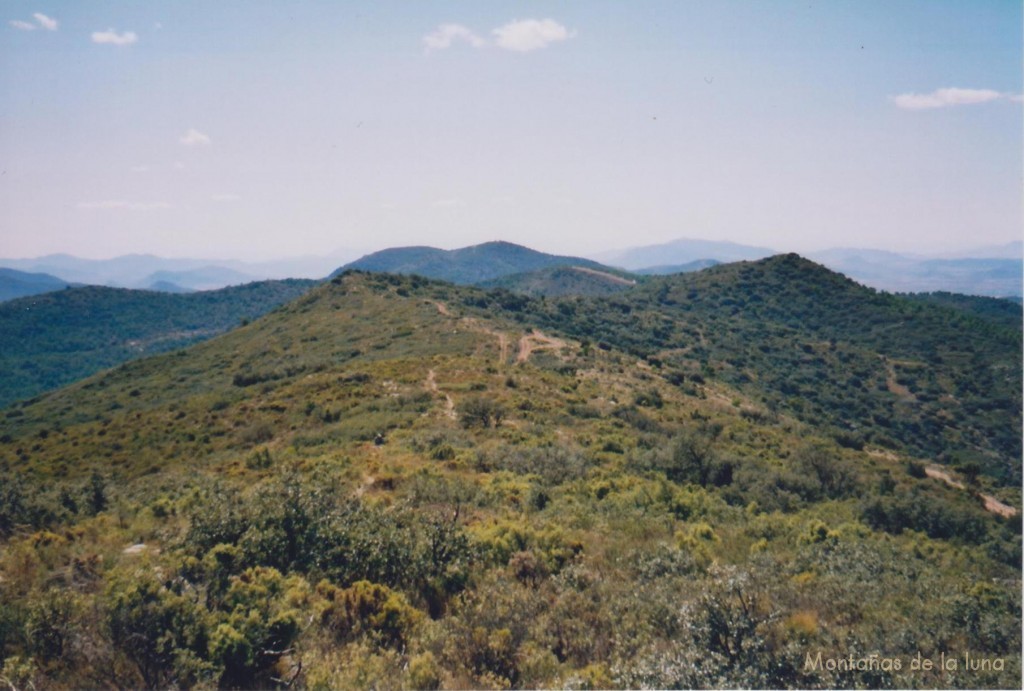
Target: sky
258 130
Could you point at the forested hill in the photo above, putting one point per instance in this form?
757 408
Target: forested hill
877 368
16 284
1003 311
467 265
56 338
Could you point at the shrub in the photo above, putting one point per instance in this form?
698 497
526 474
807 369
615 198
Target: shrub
480 412
259 460
424 672
371 609
916 469
260 626
49 626
690 458
650 398
159 632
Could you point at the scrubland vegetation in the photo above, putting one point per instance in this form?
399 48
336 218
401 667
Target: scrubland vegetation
677 486
57 338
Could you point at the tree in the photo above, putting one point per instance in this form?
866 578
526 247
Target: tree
481 412
691 458
821 464
96 493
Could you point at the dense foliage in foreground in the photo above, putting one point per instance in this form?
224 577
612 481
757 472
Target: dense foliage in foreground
379 486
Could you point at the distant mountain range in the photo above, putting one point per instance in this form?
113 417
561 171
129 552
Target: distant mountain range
202 278
682 251
994 271
149 272
899 273
16 284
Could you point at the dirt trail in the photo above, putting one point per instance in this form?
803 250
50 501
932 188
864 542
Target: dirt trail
604 274
940 474
537 341
472 324
502 346
431 385
893 385
442 308
883 454
366 484
995 506
992 504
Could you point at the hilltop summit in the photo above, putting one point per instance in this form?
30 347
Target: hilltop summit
467 265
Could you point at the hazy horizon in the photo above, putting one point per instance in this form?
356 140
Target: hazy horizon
977 251
261 131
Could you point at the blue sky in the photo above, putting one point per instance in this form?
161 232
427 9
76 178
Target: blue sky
257 130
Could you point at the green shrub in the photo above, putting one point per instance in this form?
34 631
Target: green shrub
479 411
371 609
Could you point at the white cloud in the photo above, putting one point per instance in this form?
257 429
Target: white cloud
449 203
944 98
524 35
140 169
22 26
194 138
129 206
48 23
446 34
225 197
112 37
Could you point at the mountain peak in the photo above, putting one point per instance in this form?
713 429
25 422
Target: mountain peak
466 265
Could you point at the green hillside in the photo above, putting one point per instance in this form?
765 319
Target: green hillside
664 269
561 281
467 265
16 284
874 368
1001 311
50 340
392 482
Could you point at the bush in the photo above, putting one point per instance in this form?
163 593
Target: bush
650 398
554 464
832 474
480 412
259 628
49 626
424 672
159 632
368 609
916 469
928 514
691 458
